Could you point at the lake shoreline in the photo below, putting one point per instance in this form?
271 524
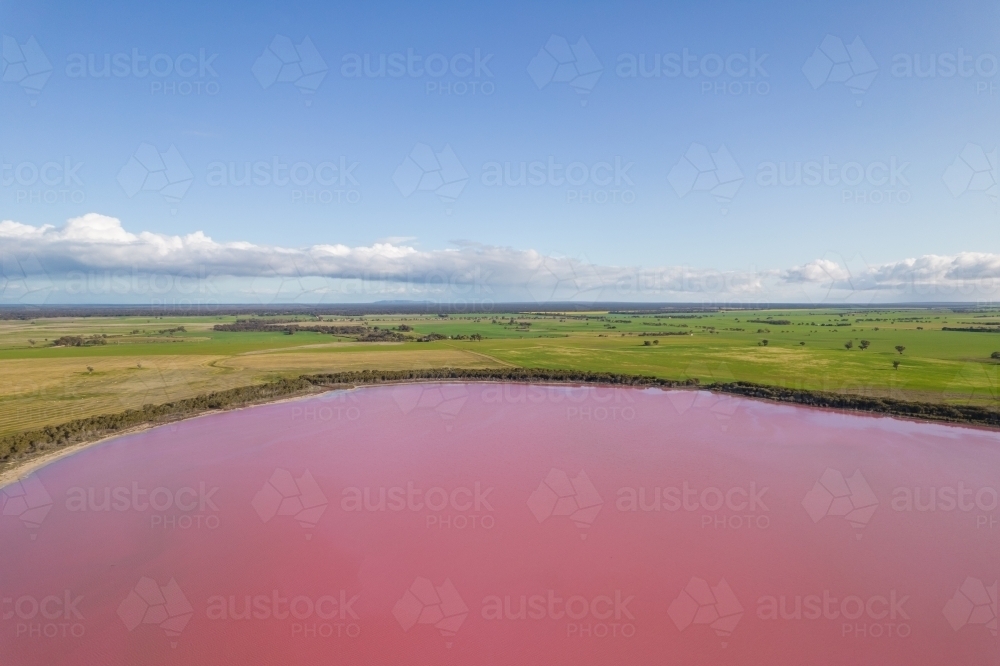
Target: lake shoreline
24 453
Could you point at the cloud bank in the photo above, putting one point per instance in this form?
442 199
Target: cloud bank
94 247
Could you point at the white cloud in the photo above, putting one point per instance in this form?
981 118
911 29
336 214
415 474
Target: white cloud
955 271
97 243
820 270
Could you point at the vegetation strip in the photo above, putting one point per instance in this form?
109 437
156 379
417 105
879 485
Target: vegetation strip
19 446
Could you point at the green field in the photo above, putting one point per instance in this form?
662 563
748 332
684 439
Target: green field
143 361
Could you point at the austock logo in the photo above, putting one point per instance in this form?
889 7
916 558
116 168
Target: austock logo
149 170
327 616
702 171
23 278
184 508
737 507
701 603
440 606
195 70
150 603
558 495
460 508
721 407
286 62
973 603
51 616
471 70
45 182
285 495
851 499
860 616
981 501
560 62
425 170
974 170
26 65
835 62
600 616
28 500
446 400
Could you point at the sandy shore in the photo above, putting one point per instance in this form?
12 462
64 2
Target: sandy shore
22 468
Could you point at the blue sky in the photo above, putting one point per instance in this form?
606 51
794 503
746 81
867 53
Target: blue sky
919 151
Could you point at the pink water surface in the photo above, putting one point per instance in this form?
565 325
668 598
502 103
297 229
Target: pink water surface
543 493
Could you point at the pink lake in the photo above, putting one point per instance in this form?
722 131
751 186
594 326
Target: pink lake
483 524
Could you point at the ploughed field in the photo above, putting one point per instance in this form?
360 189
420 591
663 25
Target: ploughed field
149 360
465 523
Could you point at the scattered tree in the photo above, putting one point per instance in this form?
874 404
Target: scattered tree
849 344
895 365
995 355
763 343
646 343
90 368
802 344
900 348
865 344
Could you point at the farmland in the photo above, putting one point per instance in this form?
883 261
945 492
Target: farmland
55 369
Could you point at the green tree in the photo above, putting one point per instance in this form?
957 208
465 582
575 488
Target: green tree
848 345
900 348
895 365
865 344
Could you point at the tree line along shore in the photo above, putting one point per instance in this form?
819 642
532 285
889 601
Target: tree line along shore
18 447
